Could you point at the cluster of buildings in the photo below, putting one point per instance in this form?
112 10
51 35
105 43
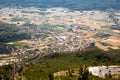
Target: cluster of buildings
102 71
67 30
8 60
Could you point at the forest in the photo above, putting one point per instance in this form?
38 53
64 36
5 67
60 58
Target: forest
76 4
10 33
45 68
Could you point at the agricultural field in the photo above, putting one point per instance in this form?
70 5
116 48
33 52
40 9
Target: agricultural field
52 40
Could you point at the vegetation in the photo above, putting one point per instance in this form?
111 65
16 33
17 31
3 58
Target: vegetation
28 24
6 48
104 32
9 32
106 26
19 44
11 36
11 72
48 26
7 27
19 19
5 72
76 4
83 73
47 66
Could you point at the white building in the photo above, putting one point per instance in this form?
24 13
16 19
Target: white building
101 71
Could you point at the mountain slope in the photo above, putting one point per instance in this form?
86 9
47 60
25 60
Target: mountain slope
71 4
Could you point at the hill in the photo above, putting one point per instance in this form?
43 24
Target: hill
9 33
76 4
43 68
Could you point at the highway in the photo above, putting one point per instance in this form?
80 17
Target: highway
114 18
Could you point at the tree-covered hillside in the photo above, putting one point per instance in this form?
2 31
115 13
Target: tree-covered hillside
9 32
71 4
44 68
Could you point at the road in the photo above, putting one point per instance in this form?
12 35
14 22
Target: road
112 14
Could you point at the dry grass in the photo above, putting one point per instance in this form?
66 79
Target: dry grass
113 42
101 47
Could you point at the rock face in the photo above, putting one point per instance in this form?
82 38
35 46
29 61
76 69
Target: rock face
101 71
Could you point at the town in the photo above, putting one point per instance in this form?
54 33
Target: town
55 30
63 30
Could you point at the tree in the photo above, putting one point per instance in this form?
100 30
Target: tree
50 76
70 72
83 73
108 76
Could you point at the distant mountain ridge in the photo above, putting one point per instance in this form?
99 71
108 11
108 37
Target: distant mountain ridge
71 4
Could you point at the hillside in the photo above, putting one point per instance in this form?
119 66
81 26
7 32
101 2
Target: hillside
59 39
9 33
76 4
42 69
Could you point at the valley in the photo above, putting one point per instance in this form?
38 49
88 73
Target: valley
40 40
